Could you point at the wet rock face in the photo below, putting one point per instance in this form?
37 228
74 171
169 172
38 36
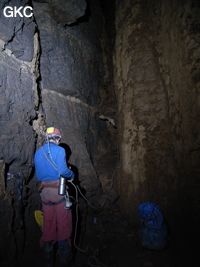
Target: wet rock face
64 12
19 49
18 100
71 68
156 55
51 75
56 70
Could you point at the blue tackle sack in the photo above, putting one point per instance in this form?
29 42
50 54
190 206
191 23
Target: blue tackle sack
153 229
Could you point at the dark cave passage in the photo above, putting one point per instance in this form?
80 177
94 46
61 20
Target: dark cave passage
120 79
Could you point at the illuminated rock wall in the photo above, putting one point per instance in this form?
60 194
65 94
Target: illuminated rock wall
121 82
52 74
157 86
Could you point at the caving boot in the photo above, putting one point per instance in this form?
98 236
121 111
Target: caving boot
64 253
48 253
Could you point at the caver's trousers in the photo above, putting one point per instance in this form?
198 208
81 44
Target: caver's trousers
57 223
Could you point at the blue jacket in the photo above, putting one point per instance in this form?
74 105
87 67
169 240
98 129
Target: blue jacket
50 166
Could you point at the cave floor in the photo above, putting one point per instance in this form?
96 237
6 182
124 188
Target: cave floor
120 249
124 250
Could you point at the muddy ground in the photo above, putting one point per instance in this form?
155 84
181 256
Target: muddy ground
117 249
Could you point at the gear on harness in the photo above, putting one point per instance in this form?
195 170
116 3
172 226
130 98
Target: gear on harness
39 218
68 202
62 186
10 176
54 203
39 215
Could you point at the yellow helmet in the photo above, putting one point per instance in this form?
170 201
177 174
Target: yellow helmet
52 131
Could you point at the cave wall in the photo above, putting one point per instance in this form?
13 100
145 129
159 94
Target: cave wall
19 73
57 68
18 99
52 74
69 86
156 62
74 75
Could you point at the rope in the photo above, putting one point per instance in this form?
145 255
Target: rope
107 192
88 248
94 253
